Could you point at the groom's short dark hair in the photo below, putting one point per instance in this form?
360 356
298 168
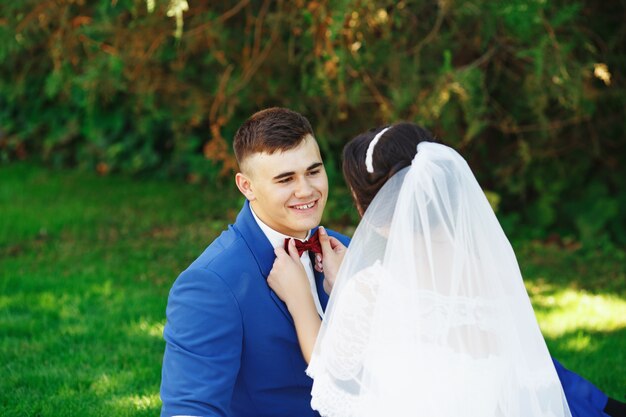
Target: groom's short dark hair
270 130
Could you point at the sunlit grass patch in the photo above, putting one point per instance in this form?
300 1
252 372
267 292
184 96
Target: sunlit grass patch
150 402
565 310
579 298
143 326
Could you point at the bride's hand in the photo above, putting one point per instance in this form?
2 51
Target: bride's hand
333 252
288 278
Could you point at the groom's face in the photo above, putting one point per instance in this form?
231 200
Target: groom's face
287 190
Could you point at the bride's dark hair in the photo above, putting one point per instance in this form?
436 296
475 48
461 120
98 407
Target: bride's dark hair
394 151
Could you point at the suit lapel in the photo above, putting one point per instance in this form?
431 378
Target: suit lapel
261 249
319 279
319 283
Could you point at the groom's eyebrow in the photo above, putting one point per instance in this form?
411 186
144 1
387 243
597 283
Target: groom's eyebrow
315 165
290 173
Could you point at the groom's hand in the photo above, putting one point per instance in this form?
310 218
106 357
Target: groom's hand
333 252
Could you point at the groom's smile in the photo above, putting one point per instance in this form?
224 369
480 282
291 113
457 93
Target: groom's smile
287 190
305 206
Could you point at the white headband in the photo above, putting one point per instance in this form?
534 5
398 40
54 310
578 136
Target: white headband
369 155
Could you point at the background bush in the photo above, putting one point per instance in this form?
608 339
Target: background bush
530 91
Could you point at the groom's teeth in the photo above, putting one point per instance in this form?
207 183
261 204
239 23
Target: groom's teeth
305 206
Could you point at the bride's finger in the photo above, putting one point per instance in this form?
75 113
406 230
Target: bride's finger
280 252
293 252
335 243
324 240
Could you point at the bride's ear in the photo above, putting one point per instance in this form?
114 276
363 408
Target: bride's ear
245 186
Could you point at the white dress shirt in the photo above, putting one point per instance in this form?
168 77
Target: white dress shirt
278 239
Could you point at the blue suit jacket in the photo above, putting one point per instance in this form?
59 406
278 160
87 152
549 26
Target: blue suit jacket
583 398
231 346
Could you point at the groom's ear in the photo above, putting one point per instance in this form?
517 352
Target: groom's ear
245 186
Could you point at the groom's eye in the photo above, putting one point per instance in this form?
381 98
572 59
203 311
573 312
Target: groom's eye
314 172
284 180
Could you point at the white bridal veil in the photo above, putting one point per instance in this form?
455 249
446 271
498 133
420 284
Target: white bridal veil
429 315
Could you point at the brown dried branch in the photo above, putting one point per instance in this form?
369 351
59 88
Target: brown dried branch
443 10
480 60
33 14
537 127
220 95
380 99
258 28
257 58
233 11
221 19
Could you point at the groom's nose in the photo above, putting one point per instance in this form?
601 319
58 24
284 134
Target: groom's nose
303 188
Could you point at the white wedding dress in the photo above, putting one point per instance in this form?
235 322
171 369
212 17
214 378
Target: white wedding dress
429 315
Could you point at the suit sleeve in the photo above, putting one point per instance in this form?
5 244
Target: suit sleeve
583 398
342 238
203 336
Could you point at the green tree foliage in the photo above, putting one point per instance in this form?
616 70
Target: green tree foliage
530 91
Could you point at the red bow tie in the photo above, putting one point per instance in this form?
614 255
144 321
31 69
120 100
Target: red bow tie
312 244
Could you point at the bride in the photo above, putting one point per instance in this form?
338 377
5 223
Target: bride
428 314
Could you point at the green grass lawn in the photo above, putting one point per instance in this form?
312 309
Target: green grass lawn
86 263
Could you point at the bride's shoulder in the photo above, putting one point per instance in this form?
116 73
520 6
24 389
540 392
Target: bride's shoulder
370 273
366 282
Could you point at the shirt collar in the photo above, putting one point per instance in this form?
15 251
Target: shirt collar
276 238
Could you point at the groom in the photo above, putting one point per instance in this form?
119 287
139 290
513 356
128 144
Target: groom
231 347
